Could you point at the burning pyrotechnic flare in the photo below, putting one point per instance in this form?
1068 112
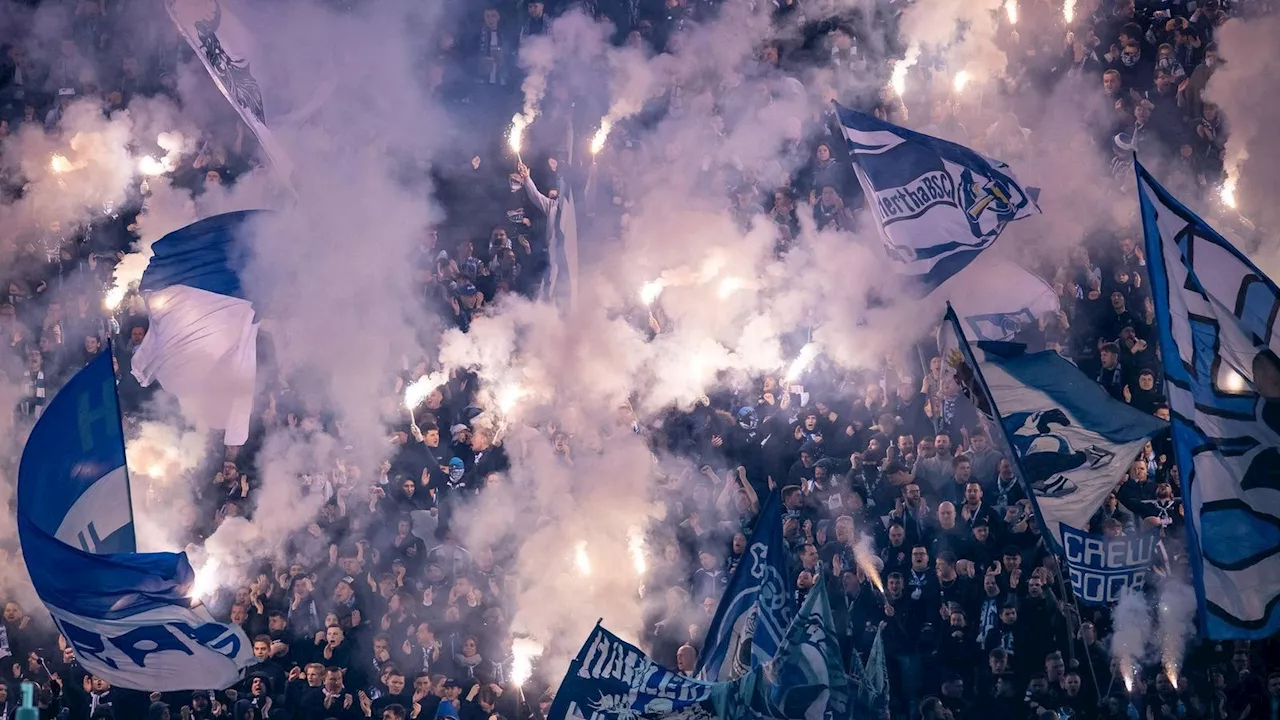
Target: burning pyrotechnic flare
151 167
651 290
1011 9
1126 671
114 297
865 556
1227 193
730 285
523 651
206 579
515 138
581 560
1069 11
801 363
59 164
961 80
508 396
419 389
635 544
900 68
597 142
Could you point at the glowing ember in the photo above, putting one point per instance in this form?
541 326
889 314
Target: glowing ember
1069 11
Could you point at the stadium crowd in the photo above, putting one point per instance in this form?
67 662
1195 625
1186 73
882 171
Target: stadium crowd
372 617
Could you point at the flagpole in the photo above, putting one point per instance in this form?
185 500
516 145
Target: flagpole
115 391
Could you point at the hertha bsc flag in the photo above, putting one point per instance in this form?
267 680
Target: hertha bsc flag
938 204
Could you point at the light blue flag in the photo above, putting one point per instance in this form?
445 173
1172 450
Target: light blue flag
870 695
612 678
1007 311
756 607
1071 442
938 204
1216 314
128 615
202 342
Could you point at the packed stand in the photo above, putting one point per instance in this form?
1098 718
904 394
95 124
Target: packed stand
380 612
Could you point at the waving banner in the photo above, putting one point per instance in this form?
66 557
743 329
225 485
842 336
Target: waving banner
1216 314
938 204
128 615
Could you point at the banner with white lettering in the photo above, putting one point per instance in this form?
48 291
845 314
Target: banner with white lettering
1101 568
612 678
129 616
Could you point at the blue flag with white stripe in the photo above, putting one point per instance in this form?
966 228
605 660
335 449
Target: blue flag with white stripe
1216 314
128 615
202 341
754 611
937 204
1072 443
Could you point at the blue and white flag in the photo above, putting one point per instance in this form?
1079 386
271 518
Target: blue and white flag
1102 568
1216 312
755 609
806 679
202 343
1005 311
128 615
938 204
612 678
1072 442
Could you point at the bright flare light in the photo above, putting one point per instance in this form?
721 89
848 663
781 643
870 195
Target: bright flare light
729 286
651 290
1227 193
900 68
1171 672
59 164
1069 11
801 363
515 138
1127 672
114 297
962 79
419 389
206 579
523 651
508 396
864 556
1011 9
581 560
635 544
151 167
597 142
